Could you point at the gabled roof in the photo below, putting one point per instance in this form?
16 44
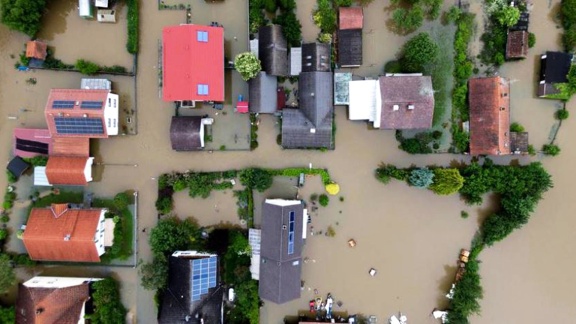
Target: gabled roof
68 237
70 146
17 166
350 47
350 18
65 305
517 44
280 270
273 50
68 170
489 116
522 23
186 133
36 49
193 56
555 67
263 96
402 92
311 124
316 57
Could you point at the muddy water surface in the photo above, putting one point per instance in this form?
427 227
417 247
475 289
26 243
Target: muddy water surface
410 236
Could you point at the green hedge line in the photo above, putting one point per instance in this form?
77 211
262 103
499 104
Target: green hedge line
133 27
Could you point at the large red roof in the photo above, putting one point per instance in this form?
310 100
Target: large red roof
45 234
189 62
66 170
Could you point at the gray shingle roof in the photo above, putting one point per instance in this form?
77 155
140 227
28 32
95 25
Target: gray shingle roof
404 91
280 271
273 50
316 57
263 97
185 133
350 47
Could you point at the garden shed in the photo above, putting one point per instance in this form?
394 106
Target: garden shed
17 166
262 90
85 9
187 133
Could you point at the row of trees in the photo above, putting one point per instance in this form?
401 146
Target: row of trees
442 181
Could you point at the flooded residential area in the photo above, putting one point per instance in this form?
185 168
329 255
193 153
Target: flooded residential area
411 237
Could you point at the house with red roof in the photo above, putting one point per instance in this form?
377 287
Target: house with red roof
63 233
68 170
193 63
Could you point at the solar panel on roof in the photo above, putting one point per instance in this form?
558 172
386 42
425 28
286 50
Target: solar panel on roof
203 276
63 104
91 104
79 126
31 146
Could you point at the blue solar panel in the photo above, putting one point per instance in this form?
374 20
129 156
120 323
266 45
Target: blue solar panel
63 104
79 126
291 234
203 276
91 104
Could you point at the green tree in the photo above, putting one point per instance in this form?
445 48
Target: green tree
323 200
164 205
107 305
417 52
408 20
291 27
325 16
121 201
516 127
562 114
507 16
87 67
421 178
172 234
256 178
453 14
531 40
247 302
551 149
248 65
23 15
154 275
447 181
7 276
270 5
287 5
7 314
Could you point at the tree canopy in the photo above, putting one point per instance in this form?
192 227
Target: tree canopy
421 178
291 27
172 234
7 314
508 16
107 305
154 275
256 178
447 181
23 15
248 65
417 52
7 276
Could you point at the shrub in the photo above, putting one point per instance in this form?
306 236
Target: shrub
256 18
108 306
531 40
343 3
388 171
408 20
291 27
453 14
562 114
3 234
121 201
154 275
507 16
133 26
393 67
417 52
323 200
172 234
464 214
447 181
516 127
256 178
164 205
551 149
87 67
325 16
4 219
531 150
7 275
248 65
437 134
421 178
330 232
11 177
23 16
313 197
270 5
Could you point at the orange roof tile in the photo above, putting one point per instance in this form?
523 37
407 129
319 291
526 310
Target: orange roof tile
66 170
70 146
59 209
45 235
36 49
351 18
517 44
489 116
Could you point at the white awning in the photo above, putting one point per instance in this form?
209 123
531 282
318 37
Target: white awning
254 238
365 101
40 178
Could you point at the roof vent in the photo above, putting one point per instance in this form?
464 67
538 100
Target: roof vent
39 310
284 227
60 114
395 107
67 237
312 94
85 115
410 107
77 103
313 130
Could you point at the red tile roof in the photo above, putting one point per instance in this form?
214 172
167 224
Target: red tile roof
36 49
351 18
66 170
188 63
70 146
76 95
489 116
517 44
51 305
44 237
401 92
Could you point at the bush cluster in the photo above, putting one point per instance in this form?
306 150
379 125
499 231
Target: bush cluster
325 17
568 16
409 14
386 172
91 68
23 16
551 149
419 144
417 52
256 178
107 304
323 200
132 45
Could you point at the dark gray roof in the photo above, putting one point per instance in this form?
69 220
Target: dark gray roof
263 97
17 166
185 133
522 23
273 50
350 47
310 126
316 57
279 271
177 305
519 142
555 67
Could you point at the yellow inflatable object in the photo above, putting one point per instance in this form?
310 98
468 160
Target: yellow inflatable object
332 189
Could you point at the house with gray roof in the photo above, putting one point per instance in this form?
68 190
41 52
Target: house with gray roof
187 132
273 50
263 96
281 250
310 126
316 57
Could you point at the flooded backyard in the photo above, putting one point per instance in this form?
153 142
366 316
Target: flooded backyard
411 236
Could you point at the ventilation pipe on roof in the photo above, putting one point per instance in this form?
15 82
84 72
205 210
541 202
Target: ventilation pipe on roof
410 107
395 107
313 130
67 237
77 103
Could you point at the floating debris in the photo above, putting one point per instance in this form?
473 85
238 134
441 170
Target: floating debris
352 242
372 272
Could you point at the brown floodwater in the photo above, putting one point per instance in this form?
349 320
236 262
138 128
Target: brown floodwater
410 236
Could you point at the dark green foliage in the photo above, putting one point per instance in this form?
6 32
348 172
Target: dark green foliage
237 258
291 27
23 260
172 234
121 201
516 127
434 7
164 205
421 178
464 214
256 178
386 172
39 160
313 197
245 203
247 305
23 15
408 20
11 177
3 234
323 200
7 275
453 14
154 275
417 52
287 5
447 181
201 184
7 315
87 67
569 39
494 39
551 149
108 307
256 16
531 40
133 26
325 17
437 134
531 150
270 5
562 114
467 294
343 3
419 144
393 67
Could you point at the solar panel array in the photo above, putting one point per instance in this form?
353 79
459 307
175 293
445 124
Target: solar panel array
63 104
291 233
79 126
31 146
203 276
91 104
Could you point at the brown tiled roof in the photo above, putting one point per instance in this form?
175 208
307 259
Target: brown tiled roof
51 305
71 146
36 49
517 44
351 18
66 170
489 116
404 91
44 237
77 96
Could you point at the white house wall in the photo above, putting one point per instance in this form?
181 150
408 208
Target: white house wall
99 235
111 109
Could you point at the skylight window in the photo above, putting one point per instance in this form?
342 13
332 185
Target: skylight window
203 89
202 36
